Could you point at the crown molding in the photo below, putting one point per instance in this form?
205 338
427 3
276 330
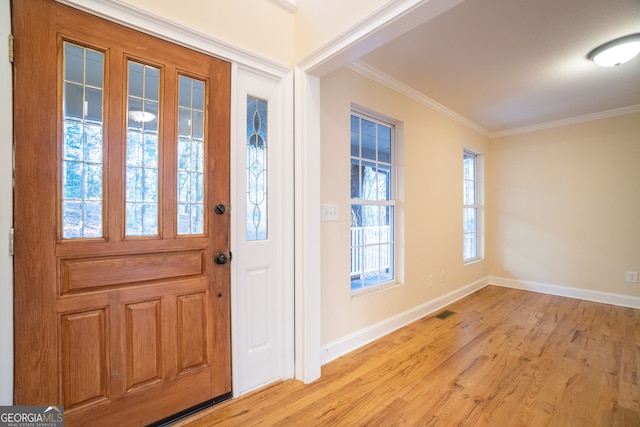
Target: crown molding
393 84
566 122
288 5
138 19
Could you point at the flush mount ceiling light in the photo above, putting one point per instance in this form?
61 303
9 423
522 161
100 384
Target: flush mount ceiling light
617 51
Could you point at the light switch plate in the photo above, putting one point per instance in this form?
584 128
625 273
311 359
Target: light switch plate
329 212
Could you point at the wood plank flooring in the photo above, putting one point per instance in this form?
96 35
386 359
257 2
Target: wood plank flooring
505 358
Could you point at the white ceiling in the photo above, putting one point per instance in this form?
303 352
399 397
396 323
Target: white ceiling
504 65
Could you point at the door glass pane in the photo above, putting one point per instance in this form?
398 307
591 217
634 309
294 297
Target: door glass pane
82 145
256 169
191 156
142 150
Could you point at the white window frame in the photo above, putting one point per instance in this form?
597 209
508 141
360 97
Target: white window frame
478 187
381 119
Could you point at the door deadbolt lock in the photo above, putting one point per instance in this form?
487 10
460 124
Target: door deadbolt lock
220 209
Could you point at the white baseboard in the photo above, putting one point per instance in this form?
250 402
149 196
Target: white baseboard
357 339
566 291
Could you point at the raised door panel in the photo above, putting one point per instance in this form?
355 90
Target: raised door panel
87 274
144 351
85 367
192 325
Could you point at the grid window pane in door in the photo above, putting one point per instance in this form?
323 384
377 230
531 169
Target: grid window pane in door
256 169
191 156
82 145
142 150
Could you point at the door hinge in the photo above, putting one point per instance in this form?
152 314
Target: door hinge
11 48
11 245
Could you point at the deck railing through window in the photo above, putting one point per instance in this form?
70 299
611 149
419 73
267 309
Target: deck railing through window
370 258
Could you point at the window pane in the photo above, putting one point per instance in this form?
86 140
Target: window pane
82 145
142 151
384 182
74 61
470 246
256 214
152 83
368 138
355 178
469 166
369 177
355 136
371 222
384 144
469 192
470 220
73 101
93 103
190 156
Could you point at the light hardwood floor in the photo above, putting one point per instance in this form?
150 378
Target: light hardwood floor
505 358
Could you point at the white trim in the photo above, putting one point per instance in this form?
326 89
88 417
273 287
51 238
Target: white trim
395 85
567 291
288 220
570 121
6 210
348 343
288 5
161 28
307 226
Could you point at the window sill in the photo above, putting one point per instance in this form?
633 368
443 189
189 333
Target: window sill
472 261
375 289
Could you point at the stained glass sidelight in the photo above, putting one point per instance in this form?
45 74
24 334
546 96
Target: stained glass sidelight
82 146
142 150
191 139
256 169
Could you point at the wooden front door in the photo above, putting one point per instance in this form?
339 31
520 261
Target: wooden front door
121 188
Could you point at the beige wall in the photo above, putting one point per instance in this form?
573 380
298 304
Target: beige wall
258 26
565 205
432 204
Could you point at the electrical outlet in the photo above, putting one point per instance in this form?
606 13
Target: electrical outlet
430 280
329 212
632 277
